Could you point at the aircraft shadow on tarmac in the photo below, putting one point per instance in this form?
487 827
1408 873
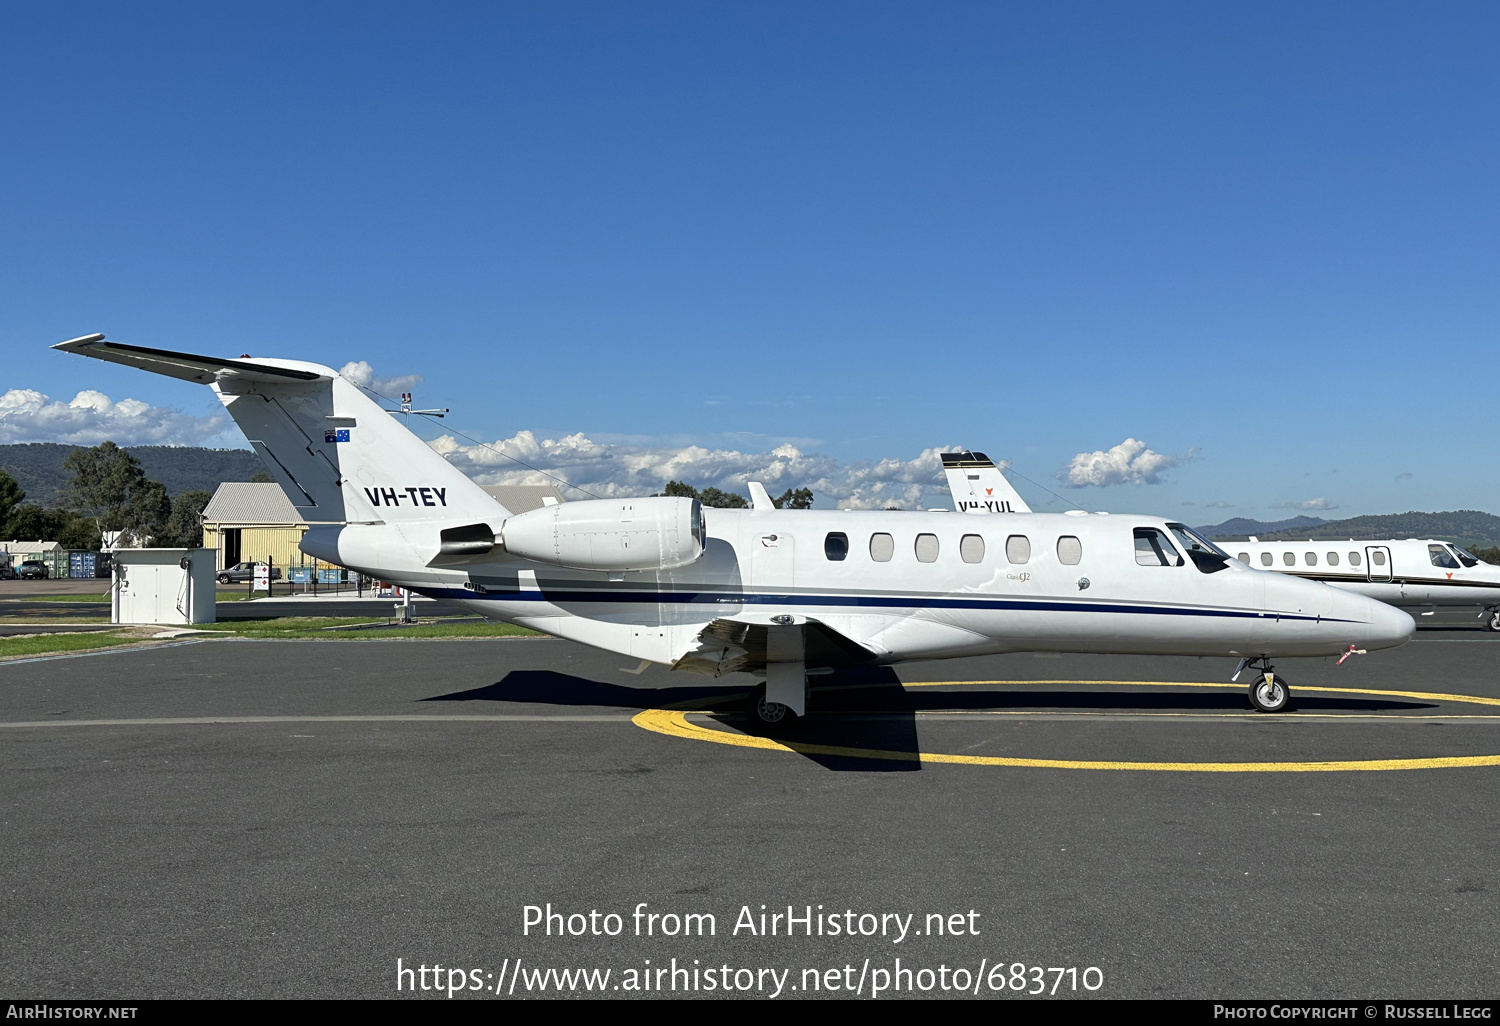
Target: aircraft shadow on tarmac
869 709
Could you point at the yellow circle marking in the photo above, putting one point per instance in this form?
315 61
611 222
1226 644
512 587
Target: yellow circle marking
674 723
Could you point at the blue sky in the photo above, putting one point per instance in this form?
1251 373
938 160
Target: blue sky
1261 239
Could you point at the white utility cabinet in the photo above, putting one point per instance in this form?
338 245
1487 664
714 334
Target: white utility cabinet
165 586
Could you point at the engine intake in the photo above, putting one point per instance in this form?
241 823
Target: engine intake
658 533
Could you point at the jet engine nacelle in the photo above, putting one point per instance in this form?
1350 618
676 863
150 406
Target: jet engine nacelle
658 533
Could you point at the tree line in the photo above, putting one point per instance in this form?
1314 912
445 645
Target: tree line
799 498
106 492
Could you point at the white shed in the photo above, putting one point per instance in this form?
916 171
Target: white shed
165 586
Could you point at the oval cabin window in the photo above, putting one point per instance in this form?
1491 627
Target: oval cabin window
1244 557
1018 548
971 548
1354 559
1069 550
1377 557
927 548
1265 559
836 545
1333 559
882 547
1289 558
1312 559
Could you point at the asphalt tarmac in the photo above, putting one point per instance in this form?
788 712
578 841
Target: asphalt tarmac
288 819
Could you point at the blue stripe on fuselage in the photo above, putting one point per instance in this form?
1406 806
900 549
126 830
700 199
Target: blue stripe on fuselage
559 597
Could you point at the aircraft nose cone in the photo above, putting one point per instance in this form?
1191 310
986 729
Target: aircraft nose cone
1384 626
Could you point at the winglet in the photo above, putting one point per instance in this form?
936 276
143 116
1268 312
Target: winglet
759 497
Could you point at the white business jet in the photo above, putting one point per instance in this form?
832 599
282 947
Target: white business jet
1410 573
1407 573
779 593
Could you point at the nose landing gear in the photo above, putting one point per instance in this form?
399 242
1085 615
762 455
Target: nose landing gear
1269 692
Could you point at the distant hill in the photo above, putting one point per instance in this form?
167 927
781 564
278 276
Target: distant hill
1239 528
1466 526
38 467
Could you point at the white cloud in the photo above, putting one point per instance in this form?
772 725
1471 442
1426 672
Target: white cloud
1310 504
1130 462
362 374
642 469
27 415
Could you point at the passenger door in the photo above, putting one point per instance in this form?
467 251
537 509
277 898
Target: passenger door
1377 563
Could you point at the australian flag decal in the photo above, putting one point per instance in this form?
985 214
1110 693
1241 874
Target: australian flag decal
339 435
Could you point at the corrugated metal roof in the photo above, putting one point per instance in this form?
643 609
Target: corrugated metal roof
250 502
30 546
520 498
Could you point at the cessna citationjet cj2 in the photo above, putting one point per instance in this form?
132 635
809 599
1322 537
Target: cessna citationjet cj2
781 594
1409 573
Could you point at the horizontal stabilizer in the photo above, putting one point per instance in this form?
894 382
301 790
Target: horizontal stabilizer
203 370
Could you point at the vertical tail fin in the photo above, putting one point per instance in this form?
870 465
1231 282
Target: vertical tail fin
978 486
336 453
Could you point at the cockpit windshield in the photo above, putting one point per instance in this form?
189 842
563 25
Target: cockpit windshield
1442 558
1465 557
1207 556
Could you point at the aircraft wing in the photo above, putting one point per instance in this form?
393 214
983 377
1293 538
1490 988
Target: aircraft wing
726 646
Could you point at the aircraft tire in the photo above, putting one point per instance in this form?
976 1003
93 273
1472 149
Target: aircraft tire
764 715
1269 696
1492 619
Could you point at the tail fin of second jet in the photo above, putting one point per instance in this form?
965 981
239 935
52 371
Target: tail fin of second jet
978 486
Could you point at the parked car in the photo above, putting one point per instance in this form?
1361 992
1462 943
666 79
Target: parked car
33 570
242 572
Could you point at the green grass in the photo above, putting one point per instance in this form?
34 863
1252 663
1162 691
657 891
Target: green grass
43 644
317 627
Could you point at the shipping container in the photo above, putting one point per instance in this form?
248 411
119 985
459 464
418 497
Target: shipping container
82 564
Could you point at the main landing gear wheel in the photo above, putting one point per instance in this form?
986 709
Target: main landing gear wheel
768 714
1492 619
1269 692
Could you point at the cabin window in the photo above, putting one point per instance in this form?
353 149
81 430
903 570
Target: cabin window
971 548
882 547
1153 549
1245 557
1018 548
1441 557
836 546
927 548
1354 559
1069 550
1289 558
1377 557
1333 559
1312 559
1265 559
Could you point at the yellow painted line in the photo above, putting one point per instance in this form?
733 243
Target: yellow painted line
674 723
1436 696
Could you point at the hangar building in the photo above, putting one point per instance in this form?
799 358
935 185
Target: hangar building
253 521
